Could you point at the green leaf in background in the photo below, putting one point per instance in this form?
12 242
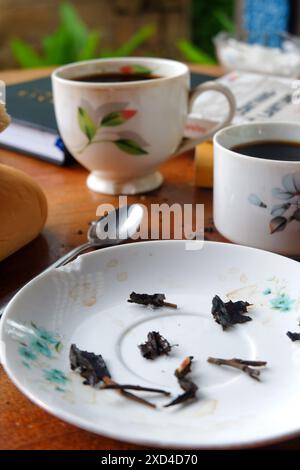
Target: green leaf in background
225 21
90 48
72 22
117 118
56 48
141 36
206 24
129 146
68 41
72 41
86 124
194 54
25 55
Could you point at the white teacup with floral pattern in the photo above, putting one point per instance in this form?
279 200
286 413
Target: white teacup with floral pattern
122 131
257 201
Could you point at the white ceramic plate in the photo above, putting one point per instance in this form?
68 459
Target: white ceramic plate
85 303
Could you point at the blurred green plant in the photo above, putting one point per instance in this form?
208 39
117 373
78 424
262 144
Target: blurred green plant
208 19
194 54
72 41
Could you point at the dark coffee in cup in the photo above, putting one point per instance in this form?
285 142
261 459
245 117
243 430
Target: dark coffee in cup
270 150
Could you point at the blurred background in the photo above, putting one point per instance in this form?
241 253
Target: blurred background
50 32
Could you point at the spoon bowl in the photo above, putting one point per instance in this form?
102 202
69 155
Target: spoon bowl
116 226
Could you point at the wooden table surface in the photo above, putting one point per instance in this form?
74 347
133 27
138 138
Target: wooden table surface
71 207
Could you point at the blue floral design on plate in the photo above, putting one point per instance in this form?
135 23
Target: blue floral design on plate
55 376
37 344
282 302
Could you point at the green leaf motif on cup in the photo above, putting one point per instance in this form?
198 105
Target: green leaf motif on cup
97 134
116 118
129 146
86 124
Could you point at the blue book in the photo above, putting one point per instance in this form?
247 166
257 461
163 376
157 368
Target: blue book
33 130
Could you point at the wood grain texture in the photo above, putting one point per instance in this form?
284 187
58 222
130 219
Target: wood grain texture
71 207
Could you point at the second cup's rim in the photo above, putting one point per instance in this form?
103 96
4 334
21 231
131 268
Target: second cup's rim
256 160
56 74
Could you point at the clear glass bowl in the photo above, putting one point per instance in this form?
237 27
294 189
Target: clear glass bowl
237 54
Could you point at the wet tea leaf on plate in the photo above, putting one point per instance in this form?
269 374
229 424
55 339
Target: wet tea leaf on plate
156 300
229 313
189 387
293 336
91 366
156 345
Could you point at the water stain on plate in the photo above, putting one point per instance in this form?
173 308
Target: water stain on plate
243 278
208 408
122 276
73 292
233 270
242 293
89 294
266 321
113 263
90 301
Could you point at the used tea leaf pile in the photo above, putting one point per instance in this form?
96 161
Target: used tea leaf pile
94 370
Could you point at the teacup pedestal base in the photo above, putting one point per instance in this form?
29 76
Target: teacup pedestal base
135 186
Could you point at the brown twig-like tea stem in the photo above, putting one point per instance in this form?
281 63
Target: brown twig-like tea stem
108 381
240 364
170 305
116 386
133 397
251 363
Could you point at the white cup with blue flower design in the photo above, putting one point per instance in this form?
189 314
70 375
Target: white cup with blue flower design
257 200
122 131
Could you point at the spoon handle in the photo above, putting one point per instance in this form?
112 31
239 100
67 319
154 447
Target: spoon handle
68 256
59 262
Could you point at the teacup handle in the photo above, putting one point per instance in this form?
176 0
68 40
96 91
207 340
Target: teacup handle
189 143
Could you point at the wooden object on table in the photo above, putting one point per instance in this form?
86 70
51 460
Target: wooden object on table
23 210
71 207
204 165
